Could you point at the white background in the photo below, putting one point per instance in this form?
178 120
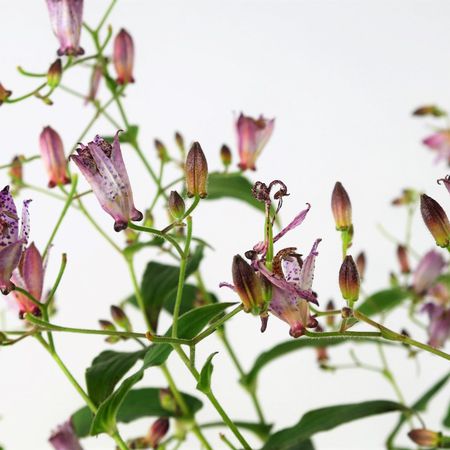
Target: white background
341 78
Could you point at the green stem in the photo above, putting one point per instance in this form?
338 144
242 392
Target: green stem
344 334
30 94
30 297
227 442
22 161
186 214
105 16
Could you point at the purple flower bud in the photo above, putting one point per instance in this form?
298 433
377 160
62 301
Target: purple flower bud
102 165
424 437
176 205
66 17
341 207
349 281
64 438
54 74
225 155
196 172
123 57
52 153
361 264
407 197
253 135
94 83
330 319
180 142
426 272
436 220
157 431
16 172
402 256
4 94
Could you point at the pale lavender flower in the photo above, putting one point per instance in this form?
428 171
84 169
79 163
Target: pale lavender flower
439 142
64 438
439 326
12 243
428 269
102 165
66 17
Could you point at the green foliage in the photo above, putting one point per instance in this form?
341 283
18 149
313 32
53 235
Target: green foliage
383 301
325 419
204 382
129 136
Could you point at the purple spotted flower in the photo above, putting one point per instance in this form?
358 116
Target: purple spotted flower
439 142
426 272
253 135
12 243
66 17
102 165
64 438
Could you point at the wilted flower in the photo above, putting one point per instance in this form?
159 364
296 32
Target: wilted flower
4 94
440 143
426 272
29 276
94 82
349 281
12 244
64 438
436 220
123 57
54 74
66 17
446 182
52 153
102 165
157 431
341 207
424 437
196 172
253 135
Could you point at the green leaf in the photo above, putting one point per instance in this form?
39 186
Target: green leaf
293 345
383 301
446 420
325 419
234 185
138 403
106 370
159 284
204 382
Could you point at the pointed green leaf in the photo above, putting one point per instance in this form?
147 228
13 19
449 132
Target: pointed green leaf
325 419
204 382
383 301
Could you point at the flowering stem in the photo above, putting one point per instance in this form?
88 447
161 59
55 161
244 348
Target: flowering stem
62 215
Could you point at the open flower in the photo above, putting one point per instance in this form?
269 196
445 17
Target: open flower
426 272
253 135
102 165
66 17
12 243
439 142
64 438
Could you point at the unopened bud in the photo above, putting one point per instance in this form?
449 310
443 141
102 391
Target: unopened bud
407 197
349 280
330 318
180 142
149 220
16 171
429 110
393 280
402 255
120 318
3 337
167 400
248 285
361 264
157 431
54 74
109 326
436 220
4 94
177 206
225 155
346 313
425 438
161 149
341 207
123 57
196 172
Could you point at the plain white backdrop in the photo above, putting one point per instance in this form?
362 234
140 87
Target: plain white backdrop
341 78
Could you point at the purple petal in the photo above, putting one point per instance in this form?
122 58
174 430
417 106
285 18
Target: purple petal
295 223
428 269
25 225
9 260
307 272
228 285
64 438
9 220
32 271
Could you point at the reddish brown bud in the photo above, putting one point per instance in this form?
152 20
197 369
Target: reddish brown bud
109 326
341 207
425 438
225 155
4 94
402 255
436 220
349 280
361 264
180 142
161 149
177 206
248 285
196 172
330 318
429 110
157 431
54 74
123 57
16 171
120 318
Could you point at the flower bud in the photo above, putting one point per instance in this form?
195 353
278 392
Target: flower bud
361 264
4 94
402 255
349 280
425 438
16 173
120 318
429 110
94 82
157 431
225 155
196 172
248 285
180 142
407 197
109 326
54 74
341 207
167 400
161 150
52 153
330 319
436 220
123 57
176 205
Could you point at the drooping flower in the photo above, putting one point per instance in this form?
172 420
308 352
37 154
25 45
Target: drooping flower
12 243
253 135
64 438
436 220
439 142
123 57
426 272
102 165
52 153
66 17
29 276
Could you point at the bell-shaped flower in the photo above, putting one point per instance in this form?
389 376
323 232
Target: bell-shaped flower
102 165
52 153
12 243
253 135
29 276
66 17
439 142
426 272
123 57
64 438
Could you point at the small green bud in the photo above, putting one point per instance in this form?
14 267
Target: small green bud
225 155
54 74
161 150
120 318
177 206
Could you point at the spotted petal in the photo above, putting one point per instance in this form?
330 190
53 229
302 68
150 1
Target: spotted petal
9 260
9 221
